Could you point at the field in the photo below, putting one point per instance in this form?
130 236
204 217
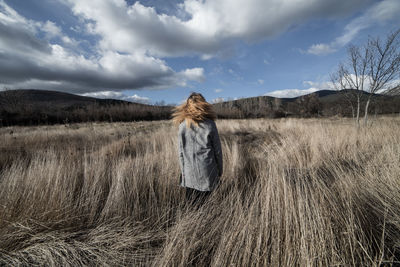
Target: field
295 192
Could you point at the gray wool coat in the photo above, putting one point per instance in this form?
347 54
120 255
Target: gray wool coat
200 155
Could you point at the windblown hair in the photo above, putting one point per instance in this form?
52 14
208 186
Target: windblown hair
194 110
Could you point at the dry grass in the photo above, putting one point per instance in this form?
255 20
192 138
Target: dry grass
294 193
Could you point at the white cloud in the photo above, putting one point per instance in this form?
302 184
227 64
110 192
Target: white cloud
320 49
51 29
195 74
206 28
138 99
260 81
105 94
10 16
326 85
217 100
380 12
289 93
119 96
218 90
137 28
313 87
393 86
257 19
69 41
367 82
320 85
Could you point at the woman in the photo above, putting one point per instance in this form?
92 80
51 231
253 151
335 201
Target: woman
200 155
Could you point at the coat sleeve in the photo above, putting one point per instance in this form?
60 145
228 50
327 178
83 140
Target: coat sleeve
217 149
180 149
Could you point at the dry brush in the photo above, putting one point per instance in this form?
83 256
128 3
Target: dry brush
295 192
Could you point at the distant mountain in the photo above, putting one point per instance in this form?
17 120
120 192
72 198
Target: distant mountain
320 94
319 103
32 106
56 98
27 107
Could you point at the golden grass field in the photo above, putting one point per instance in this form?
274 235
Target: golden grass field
295 192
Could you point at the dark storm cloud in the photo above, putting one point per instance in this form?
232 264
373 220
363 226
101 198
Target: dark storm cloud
17 71
27 61
18 38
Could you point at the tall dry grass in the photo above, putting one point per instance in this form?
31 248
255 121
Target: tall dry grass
294 193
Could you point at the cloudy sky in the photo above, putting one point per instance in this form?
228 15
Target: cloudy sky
154 50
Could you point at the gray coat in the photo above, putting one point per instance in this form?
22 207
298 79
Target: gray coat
200 155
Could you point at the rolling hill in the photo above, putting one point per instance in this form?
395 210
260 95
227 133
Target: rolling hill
320 103
29 107
55 98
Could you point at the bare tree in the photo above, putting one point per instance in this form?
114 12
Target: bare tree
373 68
383 65
351 78
393 91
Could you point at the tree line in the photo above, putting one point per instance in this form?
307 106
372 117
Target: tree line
15 111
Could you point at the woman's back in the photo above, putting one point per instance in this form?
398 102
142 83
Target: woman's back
200 155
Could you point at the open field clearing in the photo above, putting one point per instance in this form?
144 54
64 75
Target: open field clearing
295 192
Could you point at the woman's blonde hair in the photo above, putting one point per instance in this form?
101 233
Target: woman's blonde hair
194 110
